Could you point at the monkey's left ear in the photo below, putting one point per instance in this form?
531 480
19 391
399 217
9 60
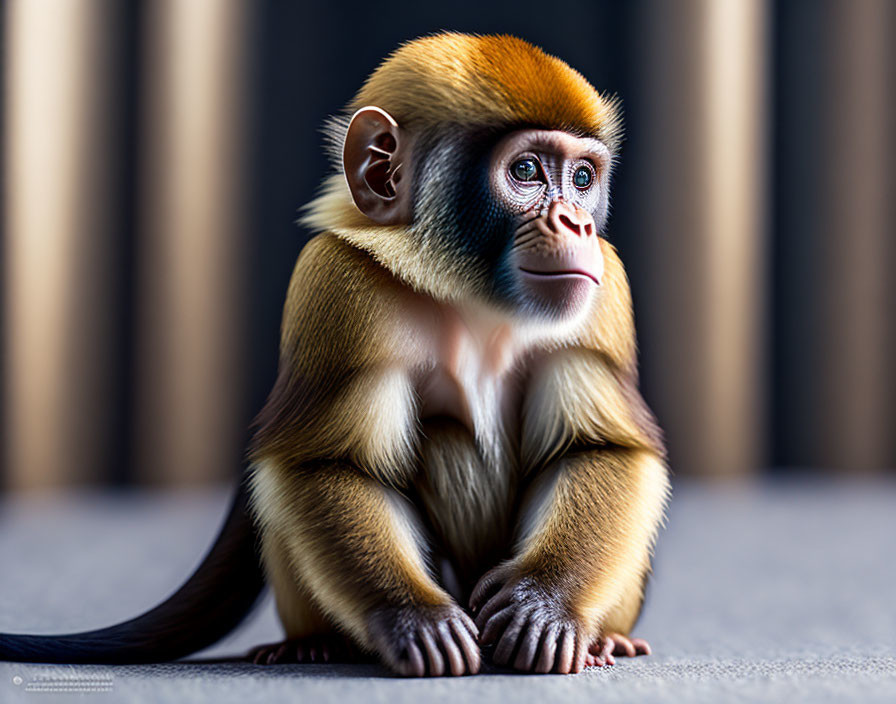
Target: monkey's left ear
375 161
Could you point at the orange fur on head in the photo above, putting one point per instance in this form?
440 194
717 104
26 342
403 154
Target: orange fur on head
492 80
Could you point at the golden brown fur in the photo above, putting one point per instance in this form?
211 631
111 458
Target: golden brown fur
559 474
490 81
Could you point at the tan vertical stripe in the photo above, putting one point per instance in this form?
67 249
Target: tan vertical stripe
734 228
858 230
706 161
57 282
192 264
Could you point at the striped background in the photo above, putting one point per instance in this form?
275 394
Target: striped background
155 152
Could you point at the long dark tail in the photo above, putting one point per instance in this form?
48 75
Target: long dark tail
209 605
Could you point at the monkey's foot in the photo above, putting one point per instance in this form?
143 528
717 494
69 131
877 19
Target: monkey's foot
304 650
434 641
533 630
607 648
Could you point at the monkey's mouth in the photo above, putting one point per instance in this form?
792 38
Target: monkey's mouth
561 274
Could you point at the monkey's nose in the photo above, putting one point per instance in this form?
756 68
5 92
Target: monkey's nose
565 218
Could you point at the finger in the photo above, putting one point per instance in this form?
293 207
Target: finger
496 625
642 647
548 650
565 651
468 645
592 660
623 646
433 654
468 623
411 662
606 651
455 659
492 606
489 584
507 644
529 640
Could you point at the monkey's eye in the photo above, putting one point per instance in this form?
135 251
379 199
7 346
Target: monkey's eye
583 177
525 169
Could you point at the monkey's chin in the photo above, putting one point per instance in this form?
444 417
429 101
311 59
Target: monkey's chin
559 295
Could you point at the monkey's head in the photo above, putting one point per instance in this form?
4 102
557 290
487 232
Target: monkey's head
476 168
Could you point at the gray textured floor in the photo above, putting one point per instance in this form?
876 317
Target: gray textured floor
761 594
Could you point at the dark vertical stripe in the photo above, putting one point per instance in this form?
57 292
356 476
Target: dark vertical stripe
798 162
126 53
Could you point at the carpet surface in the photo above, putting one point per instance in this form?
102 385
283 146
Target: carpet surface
769 592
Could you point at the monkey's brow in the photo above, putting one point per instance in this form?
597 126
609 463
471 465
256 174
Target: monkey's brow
559 144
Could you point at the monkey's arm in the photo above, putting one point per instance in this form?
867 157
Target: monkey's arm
335 436
581 562
353 543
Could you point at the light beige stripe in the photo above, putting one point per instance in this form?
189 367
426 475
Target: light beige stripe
734 231
57 283
705 203
192 256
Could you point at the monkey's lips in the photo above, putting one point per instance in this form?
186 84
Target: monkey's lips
562 274
579 263
561 282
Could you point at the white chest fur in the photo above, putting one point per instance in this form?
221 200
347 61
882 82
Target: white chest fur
470 394
474 376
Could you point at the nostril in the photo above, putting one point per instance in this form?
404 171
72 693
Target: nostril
589 228
569 224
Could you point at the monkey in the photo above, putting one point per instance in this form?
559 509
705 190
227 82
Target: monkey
455 458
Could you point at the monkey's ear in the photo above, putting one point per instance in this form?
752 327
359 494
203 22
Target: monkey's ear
375 161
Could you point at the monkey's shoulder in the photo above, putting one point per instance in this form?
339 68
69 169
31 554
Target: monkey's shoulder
329 270
342 304
338 393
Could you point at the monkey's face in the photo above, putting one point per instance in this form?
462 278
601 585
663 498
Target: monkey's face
552 186
511 219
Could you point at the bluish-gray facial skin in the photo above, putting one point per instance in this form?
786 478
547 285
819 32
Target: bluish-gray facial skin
526 207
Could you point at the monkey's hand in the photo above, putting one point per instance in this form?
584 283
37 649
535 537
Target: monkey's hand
433 640
532 627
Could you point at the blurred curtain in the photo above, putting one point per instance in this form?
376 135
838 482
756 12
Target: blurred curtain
59 282
144 267
192 255
705 194
124 280
769 176
834 236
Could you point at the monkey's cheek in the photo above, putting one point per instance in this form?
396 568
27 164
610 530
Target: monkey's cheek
559 295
